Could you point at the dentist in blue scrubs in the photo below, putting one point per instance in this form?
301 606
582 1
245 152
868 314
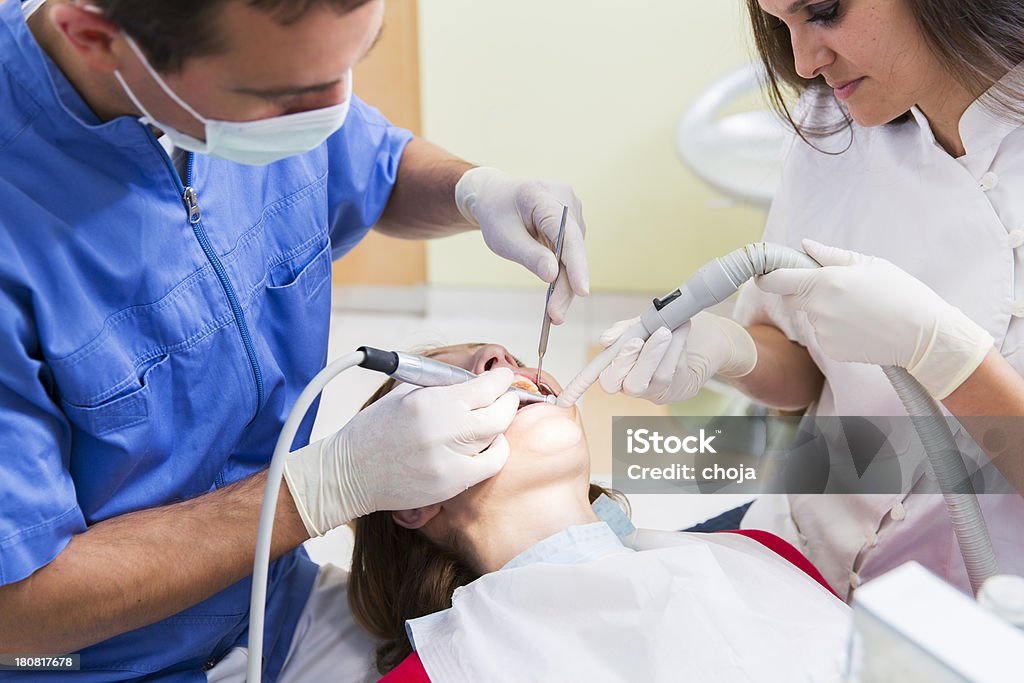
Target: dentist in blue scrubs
176 178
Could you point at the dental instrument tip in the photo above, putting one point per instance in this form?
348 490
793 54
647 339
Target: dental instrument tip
529 397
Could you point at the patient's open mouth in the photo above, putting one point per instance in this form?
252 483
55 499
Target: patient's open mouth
524 383
537 387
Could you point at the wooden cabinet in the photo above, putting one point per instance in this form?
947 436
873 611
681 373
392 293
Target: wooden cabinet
389 79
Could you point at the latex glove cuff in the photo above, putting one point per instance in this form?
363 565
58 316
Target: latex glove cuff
742 351
467 190
957 347
323 485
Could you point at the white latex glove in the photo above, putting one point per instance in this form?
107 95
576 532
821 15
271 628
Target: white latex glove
519 219
865 309
673 366
412 448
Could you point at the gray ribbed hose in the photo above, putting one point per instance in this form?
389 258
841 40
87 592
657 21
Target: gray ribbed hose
716 282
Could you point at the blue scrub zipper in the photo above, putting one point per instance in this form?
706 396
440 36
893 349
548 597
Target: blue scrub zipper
191 200
195 219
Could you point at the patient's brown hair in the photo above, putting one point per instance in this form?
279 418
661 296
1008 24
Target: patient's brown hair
399 574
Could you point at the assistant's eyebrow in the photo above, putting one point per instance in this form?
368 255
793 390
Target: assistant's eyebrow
797 6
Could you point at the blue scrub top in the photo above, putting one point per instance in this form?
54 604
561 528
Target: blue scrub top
146 358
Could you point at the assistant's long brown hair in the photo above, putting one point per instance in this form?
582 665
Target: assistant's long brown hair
977 41
399 574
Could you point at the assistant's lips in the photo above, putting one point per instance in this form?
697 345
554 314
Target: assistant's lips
845 90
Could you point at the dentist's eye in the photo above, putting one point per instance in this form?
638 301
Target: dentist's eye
825 14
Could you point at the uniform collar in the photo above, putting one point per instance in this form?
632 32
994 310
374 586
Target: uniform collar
981 130
927 136
574 545
41 79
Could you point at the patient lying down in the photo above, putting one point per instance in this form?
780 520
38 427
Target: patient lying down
518 579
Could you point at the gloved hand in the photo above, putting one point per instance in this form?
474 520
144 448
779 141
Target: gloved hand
412 448
673 366
519 219
864 309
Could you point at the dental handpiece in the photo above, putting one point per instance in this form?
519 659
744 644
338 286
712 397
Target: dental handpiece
712 284
427 372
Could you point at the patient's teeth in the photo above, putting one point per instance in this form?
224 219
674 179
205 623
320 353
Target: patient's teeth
524 383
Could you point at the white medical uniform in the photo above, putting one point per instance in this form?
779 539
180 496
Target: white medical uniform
958 226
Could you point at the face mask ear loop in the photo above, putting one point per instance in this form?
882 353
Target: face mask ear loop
147 118
159 81
31 7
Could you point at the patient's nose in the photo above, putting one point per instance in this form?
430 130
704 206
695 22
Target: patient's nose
493 356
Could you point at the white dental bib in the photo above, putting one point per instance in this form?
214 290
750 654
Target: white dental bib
695 607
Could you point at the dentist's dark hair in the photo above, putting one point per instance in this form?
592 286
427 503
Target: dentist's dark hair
977 41
173 31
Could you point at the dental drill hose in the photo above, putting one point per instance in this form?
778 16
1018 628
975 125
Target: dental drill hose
404 367
716 282
261 563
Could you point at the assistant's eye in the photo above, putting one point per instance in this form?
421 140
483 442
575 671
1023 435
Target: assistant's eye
774 23
825 14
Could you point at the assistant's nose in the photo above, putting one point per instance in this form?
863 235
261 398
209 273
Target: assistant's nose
810 53
493 356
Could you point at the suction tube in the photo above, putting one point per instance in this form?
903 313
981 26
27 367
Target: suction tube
716 282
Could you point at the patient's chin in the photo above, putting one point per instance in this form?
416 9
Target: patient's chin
545 429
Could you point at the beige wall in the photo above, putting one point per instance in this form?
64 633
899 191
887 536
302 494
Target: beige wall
587 91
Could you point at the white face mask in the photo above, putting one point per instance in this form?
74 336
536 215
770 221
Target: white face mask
29 7
249 142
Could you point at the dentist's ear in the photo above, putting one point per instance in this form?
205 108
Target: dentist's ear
417 517
89 33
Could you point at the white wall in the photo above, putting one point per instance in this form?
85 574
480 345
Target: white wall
586 91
